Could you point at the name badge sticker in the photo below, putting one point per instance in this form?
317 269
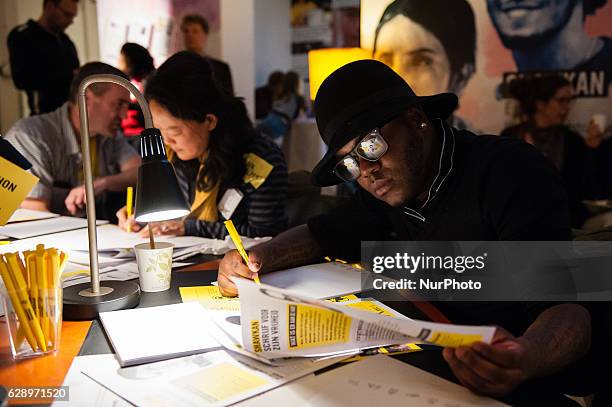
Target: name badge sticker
229 202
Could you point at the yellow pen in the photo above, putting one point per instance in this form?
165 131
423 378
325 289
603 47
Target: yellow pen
41 274
128 206
19 297
53 273
229 225
33 279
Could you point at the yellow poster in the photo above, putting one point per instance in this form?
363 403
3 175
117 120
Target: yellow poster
15 184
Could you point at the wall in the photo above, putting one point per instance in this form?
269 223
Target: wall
272 38
237 46
154 24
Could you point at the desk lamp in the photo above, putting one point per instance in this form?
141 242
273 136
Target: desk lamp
158 198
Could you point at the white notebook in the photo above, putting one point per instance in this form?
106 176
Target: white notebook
144 335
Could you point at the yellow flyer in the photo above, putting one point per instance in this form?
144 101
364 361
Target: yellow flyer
15 184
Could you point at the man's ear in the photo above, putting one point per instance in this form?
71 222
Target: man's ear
415 116
211 121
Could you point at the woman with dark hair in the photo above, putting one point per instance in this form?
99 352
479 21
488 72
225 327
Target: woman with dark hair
545 103
429 43
136 62
225 169
285 109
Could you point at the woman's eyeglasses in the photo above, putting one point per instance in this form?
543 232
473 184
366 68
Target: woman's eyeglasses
371 148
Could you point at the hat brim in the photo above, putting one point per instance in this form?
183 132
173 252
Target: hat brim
435 106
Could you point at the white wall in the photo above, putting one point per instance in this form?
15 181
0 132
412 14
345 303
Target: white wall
272 38
237 46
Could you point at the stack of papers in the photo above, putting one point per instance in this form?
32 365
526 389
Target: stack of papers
23 230
116 257
271 336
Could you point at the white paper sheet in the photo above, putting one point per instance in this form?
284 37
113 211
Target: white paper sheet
25 215
384 381
83 391
22 230
216 378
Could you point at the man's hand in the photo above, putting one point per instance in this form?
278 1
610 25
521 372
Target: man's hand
494 369
232 265
76 197
170 227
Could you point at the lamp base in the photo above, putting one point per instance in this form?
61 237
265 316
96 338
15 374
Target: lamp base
80 304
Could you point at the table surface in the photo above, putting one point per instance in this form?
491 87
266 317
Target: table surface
50 370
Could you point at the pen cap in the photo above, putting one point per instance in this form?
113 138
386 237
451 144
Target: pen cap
158 196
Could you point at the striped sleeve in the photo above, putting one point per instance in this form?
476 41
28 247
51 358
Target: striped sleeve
263 211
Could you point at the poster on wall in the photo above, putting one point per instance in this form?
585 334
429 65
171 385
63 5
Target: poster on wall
154 24
477 47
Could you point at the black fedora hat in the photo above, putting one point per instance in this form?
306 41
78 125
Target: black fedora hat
359 97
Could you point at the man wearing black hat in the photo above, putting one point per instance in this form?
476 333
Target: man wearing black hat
423 180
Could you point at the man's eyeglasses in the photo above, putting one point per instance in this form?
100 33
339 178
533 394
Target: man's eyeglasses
371 148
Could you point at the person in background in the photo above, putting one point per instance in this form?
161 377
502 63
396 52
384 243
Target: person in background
285 108
434 52
52 143
545 103
224 168
43 58
195 31
265 95
136 62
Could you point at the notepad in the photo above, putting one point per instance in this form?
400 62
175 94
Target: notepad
144 335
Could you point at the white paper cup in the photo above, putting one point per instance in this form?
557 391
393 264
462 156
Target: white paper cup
154 266
600 120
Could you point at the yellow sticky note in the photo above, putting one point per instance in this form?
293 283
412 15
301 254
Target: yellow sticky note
453 340
210 297
15 184
221 382
257 170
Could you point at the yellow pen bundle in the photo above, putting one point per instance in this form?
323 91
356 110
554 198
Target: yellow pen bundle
34 295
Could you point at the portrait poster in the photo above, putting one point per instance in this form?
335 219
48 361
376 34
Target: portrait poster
481 45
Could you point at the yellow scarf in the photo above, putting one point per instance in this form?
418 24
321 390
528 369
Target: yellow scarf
204 205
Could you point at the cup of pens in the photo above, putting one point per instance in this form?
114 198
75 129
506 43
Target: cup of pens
32 300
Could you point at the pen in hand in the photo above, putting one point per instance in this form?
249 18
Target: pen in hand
238 243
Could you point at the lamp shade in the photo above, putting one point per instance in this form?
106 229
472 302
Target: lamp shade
158 196
322 62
